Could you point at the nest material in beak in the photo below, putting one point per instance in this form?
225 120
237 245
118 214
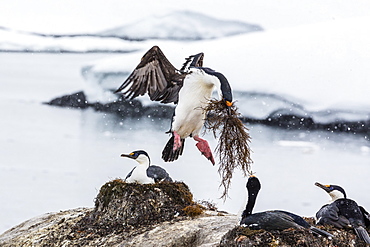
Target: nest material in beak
233 146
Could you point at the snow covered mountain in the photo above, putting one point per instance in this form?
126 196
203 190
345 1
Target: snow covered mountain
18 41
181 25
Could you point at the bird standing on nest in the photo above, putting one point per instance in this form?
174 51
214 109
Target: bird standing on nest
343 212
145 173
190 88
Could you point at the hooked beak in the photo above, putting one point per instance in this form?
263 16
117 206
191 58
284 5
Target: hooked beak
324 187
127 156
228 106
228 103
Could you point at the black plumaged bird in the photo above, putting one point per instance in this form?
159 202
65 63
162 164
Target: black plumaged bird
145 173
342 212
190 88
274 219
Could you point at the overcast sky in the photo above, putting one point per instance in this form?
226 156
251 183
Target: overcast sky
71 16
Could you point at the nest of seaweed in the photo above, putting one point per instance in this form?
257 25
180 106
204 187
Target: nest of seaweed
128 207
233 148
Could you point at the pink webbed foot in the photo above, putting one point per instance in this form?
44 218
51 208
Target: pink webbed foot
177 141
204 148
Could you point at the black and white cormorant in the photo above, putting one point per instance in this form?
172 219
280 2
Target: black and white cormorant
274 219
342 212
190 88
145 173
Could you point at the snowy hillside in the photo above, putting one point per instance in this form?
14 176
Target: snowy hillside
181 25
318 71
15 41
178 25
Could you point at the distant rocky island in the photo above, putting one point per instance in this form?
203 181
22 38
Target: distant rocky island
135 109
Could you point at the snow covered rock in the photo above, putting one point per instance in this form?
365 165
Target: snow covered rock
120 106
75 100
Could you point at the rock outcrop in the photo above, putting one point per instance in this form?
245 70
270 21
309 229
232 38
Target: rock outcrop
58 229
126 214
121 107
161 214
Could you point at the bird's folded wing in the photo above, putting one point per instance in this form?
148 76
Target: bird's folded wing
329 215
282 220
366 216
154 75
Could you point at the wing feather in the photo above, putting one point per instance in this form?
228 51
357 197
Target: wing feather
154 75
330 215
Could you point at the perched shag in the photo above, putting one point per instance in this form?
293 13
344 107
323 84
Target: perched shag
145 173
190 88
342 212
274 219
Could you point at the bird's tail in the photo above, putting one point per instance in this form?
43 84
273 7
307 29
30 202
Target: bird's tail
168 154
362 234
321 232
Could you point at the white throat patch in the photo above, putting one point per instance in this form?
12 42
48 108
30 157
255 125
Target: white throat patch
335 195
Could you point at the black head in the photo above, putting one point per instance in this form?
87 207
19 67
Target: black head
332 189
253 187
135 154
227 95
253 184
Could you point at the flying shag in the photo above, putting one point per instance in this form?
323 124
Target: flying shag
145 173
274 219
342 212
190 88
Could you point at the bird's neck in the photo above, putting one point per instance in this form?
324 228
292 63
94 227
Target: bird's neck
252 196
143 161
144 164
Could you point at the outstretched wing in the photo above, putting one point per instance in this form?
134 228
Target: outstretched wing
156 76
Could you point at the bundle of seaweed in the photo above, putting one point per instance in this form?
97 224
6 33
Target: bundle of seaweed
233 146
